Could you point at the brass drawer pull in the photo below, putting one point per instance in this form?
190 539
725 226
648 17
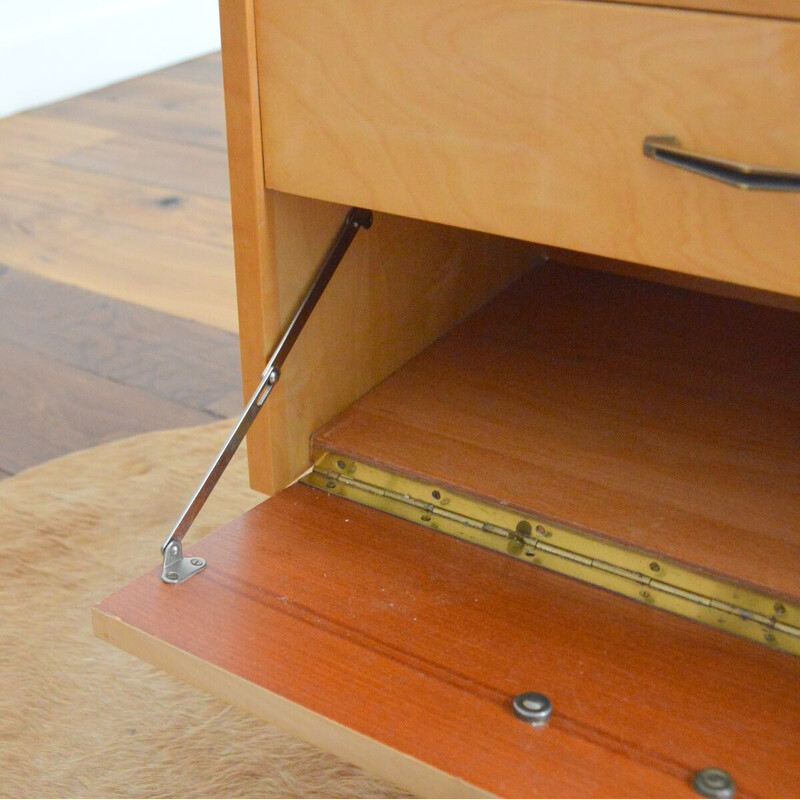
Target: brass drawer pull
744 176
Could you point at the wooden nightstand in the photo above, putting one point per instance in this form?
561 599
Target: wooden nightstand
620 418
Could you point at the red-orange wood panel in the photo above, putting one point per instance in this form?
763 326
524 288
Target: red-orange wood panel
420 641
665 419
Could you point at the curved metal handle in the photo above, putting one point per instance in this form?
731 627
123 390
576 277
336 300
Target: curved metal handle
744 176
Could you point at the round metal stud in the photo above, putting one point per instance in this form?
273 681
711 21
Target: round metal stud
714 782
533 708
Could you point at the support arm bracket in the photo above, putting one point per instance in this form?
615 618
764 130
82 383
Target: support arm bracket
176 567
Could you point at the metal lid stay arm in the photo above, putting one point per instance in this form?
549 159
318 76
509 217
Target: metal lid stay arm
178 568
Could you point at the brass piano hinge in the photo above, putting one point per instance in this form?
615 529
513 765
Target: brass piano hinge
650 579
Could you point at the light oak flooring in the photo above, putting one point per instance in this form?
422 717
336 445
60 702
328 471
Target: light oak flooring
117 296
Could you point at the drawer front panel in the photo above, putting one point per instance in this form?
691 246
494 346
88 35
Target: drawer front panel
527 119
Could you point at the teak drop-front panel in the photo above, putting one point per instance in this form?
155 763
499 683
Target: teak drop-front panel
401 649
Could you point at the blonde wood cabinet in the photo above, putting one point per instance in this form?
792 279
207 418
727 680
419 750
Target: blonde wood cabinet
548 344
524 119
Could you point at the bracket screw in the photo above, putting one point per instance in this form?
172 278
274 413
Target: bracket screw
533 707
714 782
197 562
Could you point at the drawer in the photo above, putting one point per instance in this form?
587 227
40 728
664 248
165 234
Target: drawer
527 119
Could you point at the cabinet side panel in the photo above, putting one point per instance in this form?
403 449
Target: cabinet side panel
401 285
251 213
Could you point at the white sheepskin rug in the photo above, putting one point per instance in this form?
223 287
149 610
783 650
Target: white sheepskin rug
79 718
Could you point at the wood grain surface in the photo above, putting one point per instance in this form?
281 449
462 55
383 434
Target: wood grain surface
81 367
160 271
253 227
124 191
171 358
402 284
180 165
527 120
52 188
50 409
665 419
28 137
157 106
405 641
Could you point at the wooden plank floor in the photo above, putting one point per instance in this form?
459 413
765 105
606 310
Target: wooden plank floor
117 304
124 191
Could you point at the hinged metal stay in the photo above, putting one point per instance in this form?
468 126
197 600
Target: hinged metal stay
178 568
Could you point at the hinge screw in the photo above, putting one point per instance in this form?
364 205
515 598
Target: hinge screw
533 708
714 782
197 562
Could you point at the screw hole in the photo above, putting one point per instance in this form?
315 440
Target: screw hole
436 494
